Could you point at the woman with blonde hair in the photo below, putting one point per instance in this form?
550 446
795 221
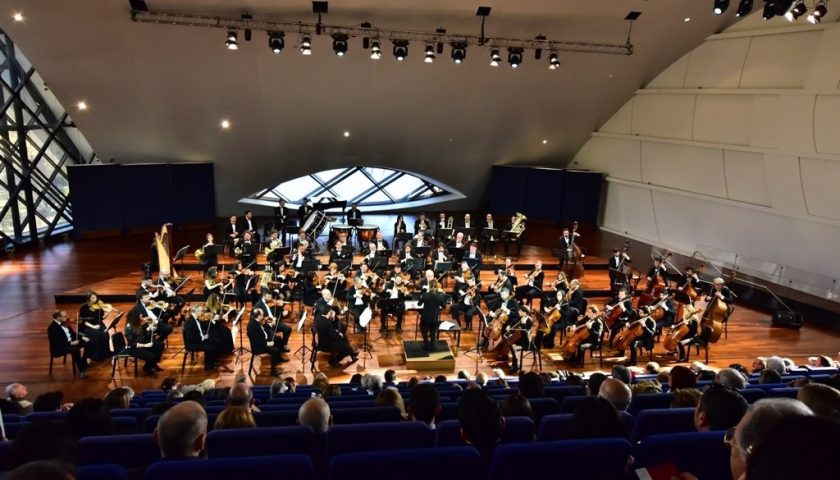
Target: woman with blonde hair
390 397
235 417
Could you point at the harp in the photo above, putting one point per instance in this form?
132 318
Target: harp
163 245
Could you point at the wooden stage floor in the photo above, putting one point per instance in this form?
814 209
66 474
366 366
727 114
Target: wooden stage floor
31 279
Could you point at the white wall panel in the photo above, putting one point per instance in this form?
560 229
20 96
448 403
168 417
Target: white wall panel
629 209
667 116
827 124
821 184
746 178
825 67
693 169
784 184
723 119
717 63
673 76
617 157
622 121
765 128
779 61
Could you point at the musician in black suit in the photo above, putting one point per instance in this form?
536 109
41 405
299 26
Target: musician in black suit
690 277
467 223
358 299
258 334
658 269
275 319
247 224
304 211
616 264
140 312
467 298
330 339
140 332
492 297
63 340
666 303
458 241
432 301
533 285
489 242
421 224
393 289
282 218
232 234
473 258
567 245
381 243
623 302
720 291
339 252
299 256
197 338
354 215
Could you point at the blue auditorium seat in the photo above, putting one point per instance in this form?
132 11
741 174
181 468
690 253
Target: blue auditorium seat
596 458
752 395
647 401
454 463
124 424
517 430
570 404
151 422
662 420
11 418
279 418
4 455
12 429
44 416
131 451
140 414
555 427
298 467
378 436
448 411
543 406
107 471
346 416
790 392
560 392
254 442
701 453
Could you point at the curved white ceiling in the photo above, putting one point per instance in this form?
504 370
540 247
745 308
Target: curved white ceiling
158 93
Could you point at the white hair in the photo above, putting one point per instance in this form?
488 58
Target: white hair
775 363
731 378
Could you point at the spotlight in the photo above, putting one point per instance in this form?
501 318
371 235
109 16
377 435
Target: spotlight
744 8
514 57
276 41
819 12
459 52
400 50
797 11
231 43
340 44
430 54
769 11
553 61
495 58
18 17
720 6
306 45
375 51
439 46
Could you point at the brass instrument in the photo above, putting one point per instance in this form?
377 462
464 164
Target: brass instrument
274 245
500 283
199 253
237 251
449 222
518 224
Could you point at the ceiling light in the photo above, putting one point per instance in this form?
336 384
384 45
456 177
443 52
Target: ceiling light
459 52
430 54
796 11
276 41
744 8
231 43
544 141
346 134
553 61
495 58
375 51
820 10
687 19
306 45
720 6
340 44
18 17
225 124
82 105
514 57
400 50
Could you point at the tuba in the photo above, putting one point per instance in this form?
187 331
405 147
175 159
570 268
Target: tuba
518 225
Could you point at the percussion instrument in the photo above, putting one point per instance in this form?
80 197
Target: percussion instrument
314 224
367 233
339 229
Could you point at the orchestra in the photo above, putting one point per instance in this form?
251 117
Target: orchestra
517 311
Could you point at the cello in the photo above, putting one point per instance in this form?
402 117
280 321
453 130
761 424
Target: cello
577 337
631 332
494 333
655 286
680 330
573 268
714 316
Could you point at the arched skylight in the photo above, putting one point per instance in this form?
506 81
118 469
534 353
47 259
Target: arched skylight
381 188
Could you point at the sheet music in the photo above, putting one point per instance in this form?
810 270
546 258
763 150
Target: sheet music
238 316
446 325
412 305
302 321
365 317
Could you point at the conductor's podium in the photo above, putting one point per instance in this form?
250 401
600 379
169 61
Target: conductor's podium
442 359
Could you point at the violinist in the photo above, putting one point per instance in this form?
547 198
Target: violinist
493 296
209 257
330 339
372 253
532 287
425 282
393 289
260 335
300 256
197 336
140 336
64 340
247 249
624 314
339 252
213 285
140 313
594 322
368 276
244 282
335 281
275 318
440 255
327 299
175 301
567 244
432 302
467 299
91 324
473 258
510 272
149 286
359 298
285 277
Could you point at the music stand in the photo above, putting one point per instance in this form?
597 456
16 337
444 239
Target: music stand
304 349
310 265
241 350
115 322
457 253
442 267
476 350
422 251
378 263
445 233
388 253
468 232
415 265
180 254
343 265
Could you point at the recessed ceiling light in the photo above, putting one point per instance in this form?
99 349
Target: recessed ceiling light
225 124
687 19
18 17
545 141
346 134
609 75
82 105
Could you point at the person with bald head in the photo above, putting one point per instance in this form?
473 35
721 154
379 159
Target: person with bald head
240 395
182 431
315 413
617 392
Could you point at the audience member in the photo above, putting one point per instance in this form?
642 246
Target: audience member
481 379
720 408
652 368
681 377
731 378
356 379
278 387
42 470
390 377
440 379
390 397
799 382
16 393
620 372
235 417
241 396
530 385
517 405
50 402
331 391
196 396
412 382
291 384
769 375
593 386
645 387
43 441
685 398
755 426
758 365
574 380
463 375
315 413
663 376
374 384
118 398
181 432
161 408
169 383
795 447
823 400
9 408
174 395
616 392
595 417
481 422
775 363
320 381
89 416
424 403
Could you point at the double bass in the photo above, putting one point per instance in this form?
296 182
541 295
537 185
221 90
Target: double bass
714 316
573 268
654 287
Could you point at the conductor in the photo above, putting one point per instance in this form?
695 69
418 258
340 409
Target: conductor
432 301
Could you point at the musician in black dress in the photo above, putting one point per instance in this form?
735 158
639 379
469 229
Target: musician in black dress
282 218
212 284
533 284
232 234
91 325
209 258
274 317
330 339
247 224
140 337
399 227
396 292
432 302
623 302
197 337
63 340
260 336
521 327
595 323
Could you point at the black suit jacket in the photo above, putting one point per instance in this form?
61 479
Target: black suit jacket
281 216
303 212
192 333
229 230
475 264
257 336
417 225
328 337
354 214
432 303
242 225
59 345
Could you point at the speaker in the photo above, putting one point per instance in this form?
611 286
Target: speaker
785 319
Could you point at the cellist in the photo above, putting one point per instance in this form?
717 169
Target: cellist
624 304
593 321
696 335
